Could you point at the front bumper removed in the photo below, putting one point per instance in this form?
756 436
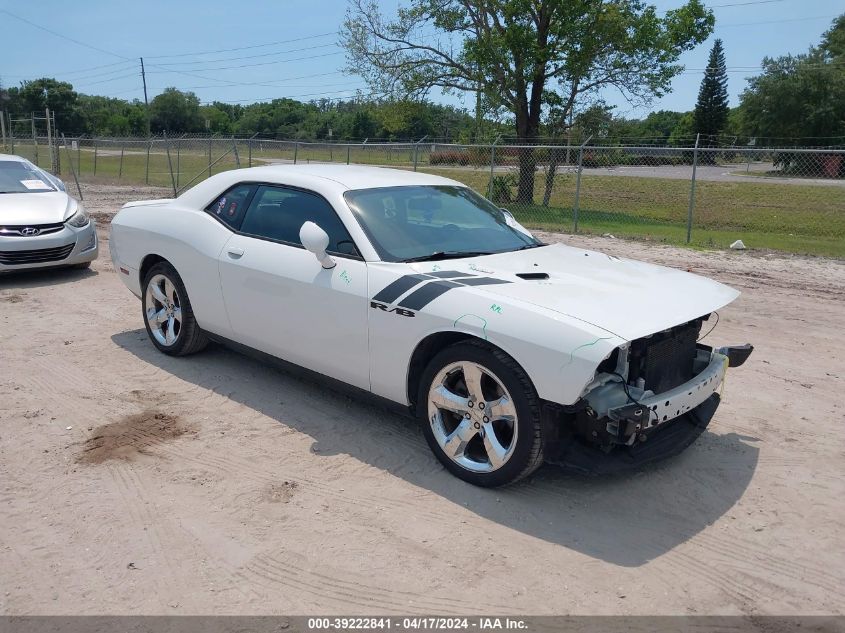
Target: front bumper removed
671 439
646 428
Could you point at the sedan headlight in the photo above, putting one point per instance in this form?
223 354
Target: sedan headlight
78 219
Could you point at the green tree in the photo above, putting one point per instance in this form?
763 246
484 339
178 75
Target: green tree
595 121
218 120
682 134
59 96
524 55
174 111
658 126
711 109
363 125
833 41
800 96
405 119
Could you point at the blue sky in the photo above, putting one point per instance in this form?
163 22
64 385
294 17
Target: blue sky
288 48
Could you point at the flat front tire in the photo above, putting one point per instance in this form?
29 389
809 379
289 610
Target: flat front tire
167 312
481 415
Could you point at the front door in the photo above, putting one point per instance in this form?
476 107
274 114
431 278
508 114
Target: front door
280 300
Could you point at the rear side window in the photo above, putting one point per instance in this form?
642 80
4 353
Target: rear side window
231 206
278 213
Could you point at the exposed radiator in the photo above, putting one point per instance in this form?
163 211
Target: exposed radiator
665 360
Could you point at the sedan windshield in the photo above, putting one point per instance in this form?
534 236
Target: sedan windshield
417 223
20 177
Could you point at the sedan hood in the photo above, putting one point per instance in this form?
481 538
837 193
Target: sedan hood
35 208
627 298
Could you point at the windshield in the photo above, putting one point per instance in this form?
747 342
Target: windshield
20 177
433 222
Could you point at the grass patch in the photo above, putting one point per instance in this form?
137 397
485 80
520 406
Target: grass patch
797 218
808 219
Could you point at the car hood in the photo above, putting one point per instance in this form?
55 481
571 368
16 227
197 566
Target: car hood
627 298
35 208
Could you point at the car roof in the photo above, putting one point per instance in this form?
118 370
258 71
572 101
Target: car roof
325 179
14 158
357 176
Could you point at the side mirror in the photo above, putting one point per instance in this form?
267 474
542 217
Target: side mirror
316 240
511 221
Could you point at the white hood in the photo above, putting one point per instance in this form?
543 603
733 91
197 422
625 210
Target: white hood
628 298
35 208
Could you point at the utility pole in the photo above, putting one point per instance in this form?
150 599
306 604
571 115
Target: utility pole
56 141
34 135
3 127
50 141
146 103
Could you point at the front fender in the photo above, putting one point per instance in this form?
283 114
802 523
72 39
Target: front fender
560 354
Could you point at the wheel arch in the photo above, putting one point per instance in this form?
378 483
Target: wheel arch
146 263
429 347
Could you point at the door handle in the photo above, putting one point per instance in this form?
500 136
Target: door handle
235 253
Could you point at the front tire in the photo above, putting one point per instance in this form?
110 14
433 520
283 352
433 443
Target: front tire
167 312
481 415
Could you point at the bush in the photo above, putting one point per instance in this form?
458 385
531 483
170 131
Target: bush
450 157
600 159
501 189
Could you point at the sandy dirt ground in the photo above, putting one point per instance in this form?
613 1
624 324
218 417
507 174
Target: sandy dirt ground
132 482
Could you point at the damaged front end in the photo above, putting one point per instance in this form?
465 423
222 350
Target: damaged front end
649 400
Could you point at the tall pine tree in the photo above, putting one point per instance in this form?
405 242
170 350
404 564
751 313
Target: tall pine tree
711 109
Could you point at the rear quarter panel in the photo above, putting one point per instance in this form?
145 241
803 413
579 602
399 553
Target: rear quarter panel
190 240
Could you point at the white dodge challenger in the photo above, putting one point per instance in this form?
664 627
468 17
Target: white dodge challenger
417 289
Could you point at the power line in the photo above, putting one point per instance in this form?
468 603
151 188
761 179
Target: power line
103 81
271 84
313 94
334 85
105 74
243 48
742 4
74 72
232 59
816 17
64 37
275 83
281 61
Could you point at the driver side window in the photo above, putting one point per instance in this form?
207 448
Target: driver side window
278 213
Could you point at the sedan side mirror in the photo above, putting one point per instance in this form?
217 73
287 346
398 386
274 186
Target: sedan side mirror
316 240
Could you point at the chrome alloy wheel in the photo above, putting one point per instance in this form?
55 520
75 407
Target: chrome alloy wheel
164 310
472 416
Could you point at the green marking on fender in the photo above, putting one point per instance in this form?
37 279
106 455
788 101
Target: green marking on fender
496 308
572 353
345 276
482 319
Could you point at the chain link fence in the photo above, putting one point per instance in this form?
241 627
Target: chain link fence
787 199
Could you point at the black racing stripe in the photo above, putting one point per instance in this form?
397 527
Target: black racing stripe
482 281
392 291
449 274
425 295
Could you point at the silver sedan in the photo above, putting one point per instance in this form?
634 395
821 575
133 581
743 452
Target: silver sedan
40 224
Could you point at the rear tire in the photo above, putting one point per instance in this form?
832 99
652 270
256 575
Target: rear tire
167 313
481 415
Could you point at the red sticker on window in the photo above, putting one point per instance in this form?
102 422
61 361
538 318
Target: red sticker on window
232 208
